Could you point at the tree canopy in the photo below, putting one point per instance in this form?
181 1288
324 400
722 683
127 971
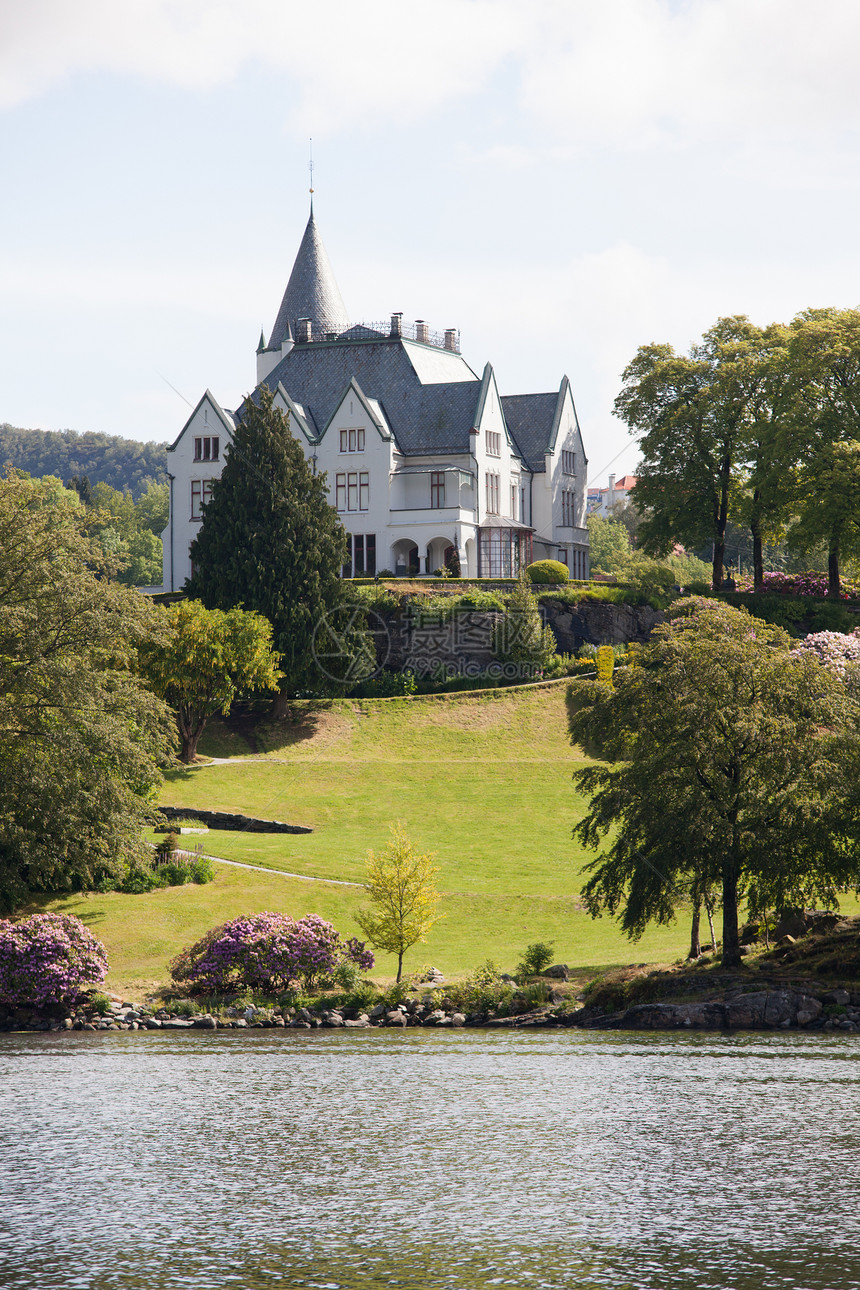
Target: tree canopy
201 659
81 738
821 438
270 540
732 765
756 425
695 414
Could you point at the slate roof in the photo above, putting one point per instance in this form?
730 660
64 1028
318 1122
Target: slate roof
530 419
312 291
424 418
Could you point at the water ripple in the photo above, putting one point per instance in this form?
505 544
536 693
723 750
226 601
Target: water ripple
458 1161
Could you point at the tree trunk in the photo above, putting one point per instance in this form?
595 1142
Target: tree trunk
280 710
695 942
833 569
189 737
758 557
720 527
709 908
399 966
731 939
718 563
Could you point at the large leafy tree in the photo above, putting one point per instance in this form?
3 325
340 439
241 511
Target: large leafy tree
81 739
694 413
202 659
821 437
270 540
731 766
762 503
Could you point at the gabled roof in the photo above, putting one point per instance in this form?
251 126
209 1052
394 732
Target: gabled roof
312 292
531 419
423 417
297 414
534 420
371 407
226 418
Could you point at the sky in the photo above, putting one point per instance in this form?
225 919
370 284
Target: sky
563 181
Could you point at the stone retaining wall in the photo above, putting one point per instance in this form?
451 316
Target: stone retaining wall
411 639
236 823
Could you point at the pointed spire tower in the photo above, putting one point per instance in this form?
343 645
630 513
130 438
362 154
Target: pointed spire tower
312 292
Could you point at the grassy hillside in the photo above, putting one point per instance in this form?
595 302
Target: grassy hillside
483 780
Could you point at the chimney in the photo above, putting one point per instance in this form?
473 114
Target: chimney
451 339
396 326
303 331
422 331
611 485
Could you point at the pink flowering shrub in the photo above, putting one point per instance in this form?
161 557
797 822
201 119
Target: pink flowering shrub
834 650
799 584
267 952
48 959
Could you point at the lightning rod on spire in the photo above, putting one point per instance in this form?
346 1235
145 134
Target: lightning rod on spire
311 164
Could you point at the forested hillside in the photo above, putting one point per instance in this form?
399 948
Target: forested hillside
103 458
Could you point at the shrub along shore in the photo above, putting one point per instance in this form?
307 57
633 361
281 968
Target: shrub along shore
809 983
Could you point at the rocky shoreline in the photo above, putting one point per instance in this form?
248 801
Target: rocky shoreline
810 1008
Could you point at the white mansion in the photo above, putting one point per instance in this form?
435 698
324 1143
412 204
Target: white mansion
422 455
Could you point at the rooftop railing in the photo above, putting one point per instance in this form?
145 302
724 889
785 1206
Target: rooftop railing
448 340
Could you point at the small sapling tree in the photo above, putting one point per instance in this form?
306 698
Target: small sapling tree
401 884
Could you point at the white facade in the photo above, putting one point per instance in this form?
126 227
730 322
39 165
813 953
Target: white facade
194 460
422 456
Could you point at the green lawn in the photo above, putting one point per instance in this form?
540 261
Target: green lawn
484 781
142 933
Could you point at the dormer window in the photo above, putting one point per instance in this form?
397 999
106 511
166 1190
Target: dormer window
352 440
206 448
494 443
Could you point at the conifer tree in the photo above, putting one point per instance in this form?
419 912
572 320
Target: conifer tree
270 540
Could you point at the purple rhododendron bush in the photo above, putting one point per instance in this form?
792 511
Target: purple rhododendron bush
799 584
48 959
267 952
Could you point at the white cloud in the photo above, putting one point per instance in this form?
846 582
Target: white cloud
640 72
345 59
631 73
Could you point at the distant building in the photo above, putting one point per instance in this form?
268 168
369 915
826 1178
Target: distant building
422 455
602 501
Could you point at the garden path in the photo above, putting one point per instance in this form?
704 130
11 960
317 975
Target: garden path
258 868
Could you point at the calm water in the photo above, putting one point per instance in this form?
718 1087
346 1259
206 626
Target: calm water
464 1161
